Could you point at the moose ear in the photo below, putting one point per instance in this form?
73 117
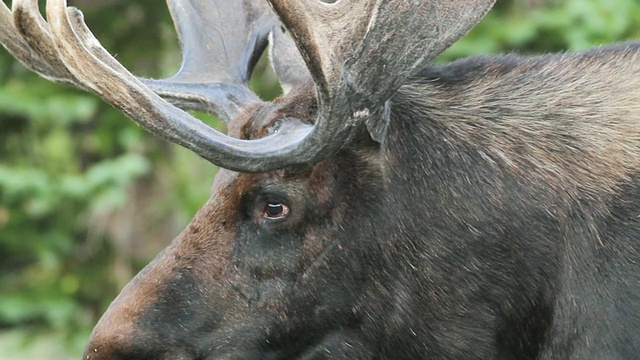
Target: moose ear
378 124
286 59
448 22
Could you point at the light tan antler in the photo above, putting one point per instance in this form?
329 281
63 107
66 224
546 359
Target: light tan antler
27 37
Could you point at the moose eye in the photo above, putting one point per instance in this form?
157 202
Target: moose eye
275 210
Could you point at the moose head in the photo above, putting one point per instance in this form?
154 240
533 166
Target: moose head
380 208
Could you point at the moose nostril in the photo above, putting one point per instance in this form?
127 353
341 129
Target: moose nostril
116 337
118 350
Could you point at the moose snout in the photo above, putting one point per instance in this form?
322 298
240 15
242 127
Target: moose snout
107 343
120 332
159 315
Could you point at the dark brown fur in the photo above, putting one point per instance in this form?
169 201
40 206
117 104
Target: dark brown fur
498 219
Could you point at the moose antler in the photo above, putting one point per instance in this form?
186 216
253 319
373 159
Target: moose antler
286 60
221 42
209 80
35 46
360 52
357 62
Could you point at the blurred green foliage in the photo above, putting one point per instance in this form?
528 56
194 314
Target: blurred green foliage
87 198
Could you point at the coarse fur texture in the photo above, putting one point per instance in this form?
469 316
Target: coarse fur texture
485 209
526 186
498 219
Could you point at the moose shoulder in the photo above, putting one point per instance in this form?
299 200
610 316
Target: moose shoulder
382 208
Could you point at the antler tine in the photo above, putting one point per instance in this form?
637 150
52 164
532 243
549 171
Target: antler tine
15 44
321 30
220 50
26 36
286 59
360 52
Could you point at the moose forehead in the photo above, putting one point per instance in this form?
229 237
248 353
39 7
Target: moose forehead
255 122
311 185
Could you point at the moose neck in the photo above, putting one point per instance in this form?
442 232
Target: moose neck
522 124
486 158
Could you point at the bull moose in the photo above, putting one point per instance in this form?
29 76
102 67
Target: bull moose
383 208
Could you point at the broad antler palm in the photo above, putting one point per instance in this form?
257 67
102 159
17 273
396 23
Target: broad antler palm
357 52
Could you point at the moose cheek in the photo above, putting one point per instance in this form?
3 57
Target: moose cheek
271 253
188 309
